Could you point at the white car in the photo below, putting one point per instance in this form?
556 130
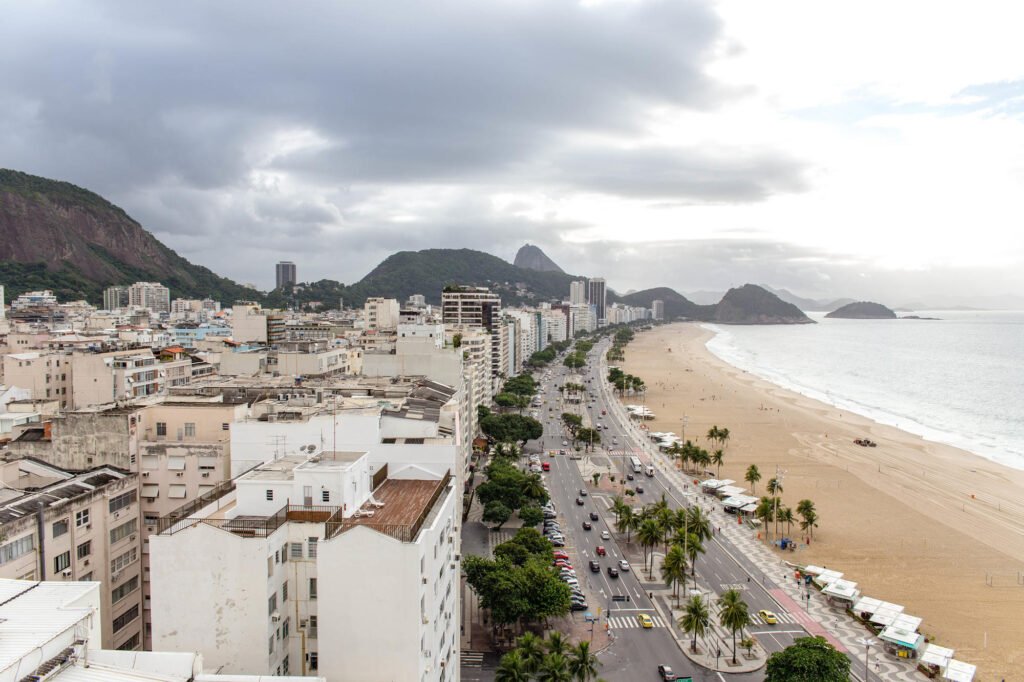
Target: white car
605 535
565 442
623 565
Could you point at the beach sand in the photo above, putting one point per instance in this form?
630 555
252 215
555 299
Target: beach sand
899 519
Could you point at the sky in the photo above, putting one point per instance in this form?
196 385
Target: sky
872 150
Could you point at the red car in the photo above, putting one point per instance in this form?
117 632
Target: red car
561 555
600 550
546 466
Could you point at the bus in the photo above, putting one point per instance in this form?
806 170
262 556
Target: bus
635 462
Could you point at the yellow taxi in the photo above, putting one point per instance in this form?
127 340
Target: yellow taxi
767 616
645 620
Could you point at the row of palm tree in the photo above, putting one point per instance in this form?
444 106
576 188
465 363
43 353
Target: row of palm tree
688 453
547 660
733 614
771 510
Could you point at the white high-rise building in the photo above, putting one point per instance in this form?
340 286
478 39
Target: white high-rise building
578 293
316 549
3 311
150 295
381 313
658 309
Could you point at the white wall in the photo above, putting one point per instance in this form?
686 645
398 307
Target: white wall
254 442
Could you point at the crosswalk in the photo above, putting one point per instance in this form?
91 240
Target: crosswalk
633 621
780 617
471 659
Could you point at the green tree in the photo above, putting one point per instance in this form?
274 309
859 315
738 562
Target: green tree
775 487
531 515
694 548
506 400
497 512
589 437
531 648
554 667
695 619
717 457
752 477
556 643
765 511
533 488
810 522
626 521
787 517
733 615
574 362
573 422
808 659
649 535
673 570
583 662
513 668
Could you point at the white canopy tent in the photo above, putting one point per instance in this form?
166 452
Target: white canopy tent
867 605
886 613
958 671
827 577
936 655
844 590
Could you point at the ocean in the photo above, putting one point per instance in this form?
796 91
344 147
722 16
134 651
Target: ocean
957 380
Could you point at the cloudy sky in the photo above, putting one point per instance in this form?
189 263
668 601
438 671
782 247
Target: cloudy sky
855 149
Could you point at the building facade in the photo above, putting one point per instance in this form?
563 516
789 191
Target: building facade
285 273
597 296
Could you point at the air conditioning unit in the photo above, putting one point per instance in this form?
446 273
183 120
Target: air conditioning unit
145 474
458 557
426 654
275 616
66 573
179 474
85 562
454 564
424 580
206 475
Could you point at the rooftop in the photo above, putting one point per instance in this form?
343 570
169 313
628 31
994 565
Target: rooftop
59 493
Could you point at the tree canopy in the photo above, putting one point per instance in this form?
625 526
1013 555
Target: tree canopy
808 659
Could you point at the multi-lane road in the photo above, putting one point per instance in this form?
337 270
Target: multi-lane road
637 652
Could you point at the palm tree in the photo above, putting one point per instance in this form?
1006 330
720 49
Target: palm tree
531 648
694 548
533 487
695 619
583 662
702 458
666 522
554 668
712 434
716 458
810 522
698 523
662 503
624 523
556 643
775 486
618 507
786 516
804 506
649 535
733 615
723 437
673 569
513 668
765 511
752 477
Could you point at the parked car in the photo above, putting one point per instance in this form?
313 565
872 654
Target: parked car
613 572
561 555
581 606
557 543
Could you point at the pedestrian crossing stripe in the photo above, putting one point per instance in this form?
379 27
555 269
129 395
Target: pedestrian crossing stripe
472 658
633 622
782 617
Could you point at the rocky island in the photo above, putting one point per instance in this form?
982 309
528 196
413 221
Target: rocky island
863 310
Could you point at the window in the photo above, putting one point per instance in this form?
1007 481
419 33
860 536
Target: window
60 527
121 501
61 561
284 553
122 531
313 660
286 627
284 665
272 604
130 643
126 617
122 591
119 562
270 494
312 548
326 496
271 646
312 588
284 591
225 426
151 519
85 578
190 429
311 633
296 550
85 549
161 428
81 518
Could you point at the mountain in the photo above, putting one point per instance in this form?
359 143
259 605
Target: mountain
55 235
530 257
808 303
703 297
863 310
427 272
751 304
676 305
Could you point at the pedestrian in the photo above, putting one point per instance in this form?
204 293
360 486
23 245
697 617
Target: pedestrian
835 625
876 664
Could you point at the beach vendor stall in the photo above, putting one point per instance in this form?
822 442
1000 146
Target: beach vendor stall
841 593
710 486
900 642
958 671
936 658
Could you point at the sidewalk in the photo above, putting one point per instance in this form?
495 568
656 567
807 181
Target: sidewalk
818 617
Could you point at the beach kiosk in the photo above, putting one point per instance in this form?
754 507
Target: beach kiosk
841 593
711 486
824 577
736 504
866 607
958 671
900 642
886 614
936 658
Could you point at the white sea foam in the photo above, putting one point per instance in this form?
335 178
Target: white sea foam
956 380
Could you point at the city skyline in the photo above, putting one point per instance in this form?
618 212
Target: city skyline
718 143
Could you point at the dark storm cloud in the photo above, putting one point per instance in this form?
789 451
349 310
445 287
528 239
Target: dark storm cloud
177 115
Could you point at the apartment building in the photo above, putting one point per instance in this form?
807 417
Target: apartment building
151 295
597 296
302 551
658 309
381 313
51 631
470 307
284 273
46 375
77 526
115 298
314 359
252 324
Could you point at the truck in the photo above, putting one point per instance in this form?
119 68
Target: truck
649 470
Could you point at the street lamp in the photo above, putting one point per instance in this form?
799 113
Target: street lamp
868 643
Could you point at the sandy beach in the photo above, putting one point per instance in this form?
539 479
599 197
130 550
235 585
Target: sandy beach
899 519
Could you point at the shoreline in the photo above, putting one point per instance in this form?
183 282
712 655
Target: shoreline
878 415
899 519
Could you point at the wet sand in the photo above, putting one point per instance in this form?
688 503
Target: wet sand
899 519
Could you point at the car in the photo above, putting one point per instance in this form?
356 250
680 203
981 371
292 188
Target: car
767 617
587 525
639 490
546 466
556 536
645 620
600 550
581 606
557 543
613 572
549 514
603 413
579 501
568 572
605 535
565 442
561 555
563 564
551 453
583 492
666 673
595 566
629 477
550 408
570 581
594 516
623 565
